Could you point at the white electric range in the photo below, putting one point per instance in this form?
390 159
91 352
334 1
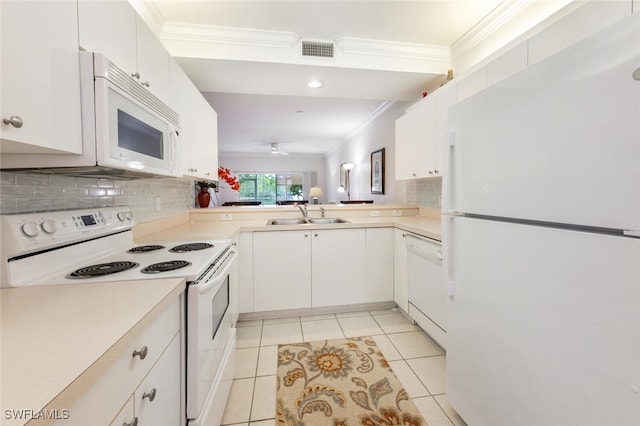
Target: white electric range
96 245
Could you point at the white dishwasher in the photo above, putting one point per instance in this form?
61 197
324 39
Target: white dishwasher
427 286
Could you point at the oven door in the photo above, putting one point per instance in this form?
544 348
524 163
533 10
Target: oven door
209 333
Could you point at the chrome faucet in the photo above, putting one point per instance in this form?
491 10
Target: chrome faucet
304 212
322 211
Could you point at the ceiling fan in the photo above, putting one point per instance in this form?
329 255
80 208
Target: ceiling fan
275 150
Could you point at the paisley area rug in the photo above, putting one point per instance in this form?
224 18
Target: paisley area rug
342 382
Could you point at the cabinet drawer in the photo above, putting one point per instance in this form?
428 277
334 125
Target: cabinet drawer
107 395
126 414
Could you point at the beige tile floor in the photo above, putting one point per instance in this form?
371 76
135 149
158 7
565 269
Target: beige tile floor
416 360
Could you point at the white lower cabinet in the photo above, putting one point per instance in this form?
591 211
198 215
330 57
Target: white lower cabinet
126 416
245 272
281 270
319 267
151 361
400 281
338 267
379 265
157 398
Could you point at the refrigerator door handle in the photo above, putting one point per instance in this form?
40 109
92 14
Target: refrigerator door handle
447 260
448 175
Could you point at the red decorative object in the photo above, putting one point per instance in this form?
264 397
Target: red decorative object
225 174
204 197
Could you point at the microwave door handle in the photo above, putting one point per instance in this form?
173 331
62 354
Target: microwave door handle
175 151
219 276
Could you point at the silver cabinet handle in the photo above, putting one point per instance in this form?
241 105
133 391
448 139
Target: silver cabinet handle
436 171
151 395
134 422
142 353
146 84
14 121
315 235
136 75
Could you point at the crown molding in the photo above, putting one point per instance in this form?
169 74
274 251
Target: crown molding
489 25
229 35
361 46
148 11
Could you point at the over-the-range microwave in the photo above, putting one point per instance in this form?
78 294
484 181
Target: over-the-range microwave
127 132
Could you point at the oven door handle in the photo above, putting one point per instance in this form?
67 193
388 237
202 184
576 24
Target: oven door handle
220 275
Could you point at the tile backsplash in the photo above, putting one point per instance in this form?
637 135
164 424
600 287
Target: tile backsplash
425 192
28 192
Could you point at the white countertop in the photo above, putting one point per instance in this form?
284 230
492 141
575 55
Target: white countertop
208 225
56 340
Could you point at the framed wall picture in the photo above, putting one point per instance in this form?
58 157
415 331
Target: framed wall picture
377 172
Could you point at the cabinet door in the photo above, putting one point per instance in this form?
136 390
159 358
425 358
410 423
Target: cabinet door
424 143
445 98
126 416
282 270
379 266
406 128
245 272
109 27
472 84
157 399
199 127
400 282
338 267
40 77
153 61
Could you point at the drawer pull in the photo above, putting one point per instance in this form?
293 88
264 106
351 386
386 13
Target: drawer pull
151 395
14 121
142 353
134 422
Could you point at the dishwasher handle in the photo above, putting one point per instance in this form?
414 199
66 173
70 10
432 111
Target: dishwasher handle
426 248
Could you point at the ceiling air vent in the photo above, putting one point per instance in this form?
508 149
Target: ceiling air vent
317 49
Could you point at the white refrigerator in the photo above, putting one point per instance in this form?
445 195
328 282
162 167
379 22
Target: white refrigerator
541 232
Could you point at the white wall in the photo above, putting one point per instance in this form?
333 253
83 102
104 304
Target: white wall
379 133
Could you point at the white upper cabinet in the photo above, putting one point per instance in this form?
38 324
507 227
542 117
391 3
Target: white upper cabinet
415 142
508 64
40 78
114 29
109 27
472 83
445 97
586 20
199 127
406 129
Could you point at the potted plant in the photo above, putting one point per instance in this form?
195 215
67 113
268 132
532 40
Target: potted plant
204 198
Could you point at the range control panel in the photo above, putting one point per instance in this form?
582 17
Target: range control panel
26 232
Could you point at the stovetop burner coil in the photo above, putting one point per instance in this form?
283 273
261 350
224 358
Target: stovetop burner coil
145 249
102 269
169 265
182 248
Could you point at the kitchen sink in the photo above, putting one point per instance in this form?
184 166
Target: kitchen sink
314 221
286 222
328 220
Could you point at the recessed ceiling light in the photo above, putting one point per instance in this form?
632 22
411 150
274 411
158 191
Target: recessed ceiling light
314 84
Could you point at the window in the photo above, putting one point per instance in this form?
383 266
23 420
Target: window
269 188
